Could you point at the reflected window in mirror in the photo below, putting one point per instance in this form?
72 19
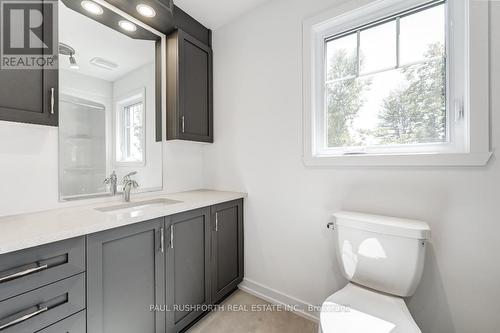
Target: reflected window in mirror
129 134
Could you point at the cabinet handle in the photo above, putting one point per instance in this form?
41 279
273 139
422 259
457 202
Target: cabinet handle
172 236
24 318
52 102
23 273
183 124
217 221
162 240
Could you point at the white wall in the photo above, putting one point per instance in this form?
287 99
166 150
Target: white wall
257 69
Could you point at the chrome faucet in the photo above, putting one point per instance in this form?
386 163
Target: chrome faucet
112 181
128 184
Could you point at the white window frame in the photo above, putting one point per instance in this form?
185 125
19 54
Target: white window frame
132 98
468 87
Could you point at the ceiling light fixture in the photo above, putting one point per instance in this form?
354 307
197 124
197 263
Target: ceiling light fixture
92 7
146 10
103 63
127 25
72 62
67 50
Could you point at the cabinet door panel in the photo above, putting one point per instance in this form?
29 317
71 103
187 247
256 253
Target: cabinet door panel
26 94
227 248
195 91
189 89
125 277
188 266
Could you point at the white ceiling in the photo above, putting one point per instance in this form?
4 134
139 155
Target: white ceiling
91 39
215 13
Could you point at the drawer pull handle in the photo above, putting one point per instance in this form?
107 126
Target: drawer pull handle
24 318
23 273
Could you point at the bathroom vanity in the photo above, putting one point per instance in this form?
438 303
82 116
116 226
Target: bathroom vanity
154 265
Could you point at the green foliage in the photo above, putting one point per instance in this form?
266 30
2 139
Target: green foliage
344 99
412 113
416 113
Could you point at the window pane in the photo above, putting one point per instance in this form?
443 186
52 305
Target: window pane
136 133
404 106
422 35
341 57
131 146
378 48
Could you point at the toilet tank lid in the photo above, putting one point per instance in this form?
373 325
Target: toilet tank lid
384 224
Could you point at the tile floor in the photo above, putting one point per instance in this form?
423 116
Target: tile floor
244 319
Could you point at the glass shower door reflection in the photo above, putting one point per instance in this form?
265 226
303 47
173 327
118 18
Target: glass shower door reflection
82 135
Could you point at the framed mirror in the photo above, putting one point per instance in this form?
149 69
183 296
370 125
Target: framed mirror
109 102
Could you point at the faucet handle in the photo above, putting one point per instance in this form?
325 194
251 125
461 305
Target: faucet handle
126 178
134 184
111 179
128 175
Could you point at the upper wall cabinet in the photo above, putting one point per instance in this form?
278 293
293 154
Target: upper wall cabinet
28 93
189 89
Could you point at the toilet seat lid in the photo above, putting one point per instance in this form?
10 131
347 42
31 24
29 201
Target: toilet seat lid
356 309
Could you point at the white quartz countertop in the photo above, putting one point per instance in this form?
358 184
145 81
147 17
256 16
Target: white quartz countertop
23 231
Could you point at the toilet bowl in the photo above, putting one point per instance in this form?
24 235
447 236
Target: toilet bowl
383 258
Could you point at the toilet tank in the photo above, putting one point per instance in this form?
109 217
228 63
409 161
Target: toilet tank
383 253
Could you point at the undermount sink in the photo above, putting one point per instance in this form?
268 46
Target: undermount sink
136 206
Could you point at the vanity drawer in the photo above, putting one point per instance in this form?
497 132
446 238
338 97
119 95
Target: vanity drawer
25 270
74 324
39 308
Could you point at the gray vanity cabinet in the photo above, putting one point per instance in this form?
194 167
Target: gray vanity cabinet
189 89
125 277
188 267
227 248
155 276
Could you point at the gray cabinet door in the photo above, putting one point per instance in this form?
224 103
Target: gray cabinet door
189 89
227 248
26 95
125 277
188 274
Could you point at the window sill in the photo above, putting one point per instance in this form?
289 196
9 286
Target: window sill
406 160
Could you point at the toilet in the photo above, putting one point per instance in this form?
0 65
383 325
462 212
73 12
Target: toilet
383 259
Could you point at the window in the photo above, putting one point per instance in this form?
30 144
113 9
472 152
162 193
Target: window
386 83
130 148
391 79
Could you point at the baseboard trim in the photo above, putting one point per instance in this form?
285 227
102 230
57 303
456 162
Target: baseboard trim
278 298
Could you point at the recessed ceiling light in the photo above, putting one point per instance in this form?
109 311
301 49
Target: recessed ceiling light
127 25
92 7
146 10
